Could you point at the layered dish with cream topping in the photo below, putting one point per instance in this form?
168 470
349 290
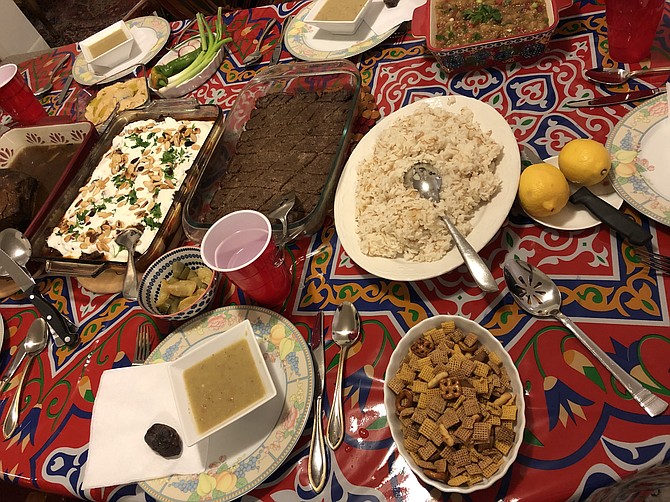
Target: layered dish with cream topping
132 186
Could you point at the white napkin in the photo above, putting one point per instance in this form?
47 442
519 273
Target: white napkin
382 18
128 402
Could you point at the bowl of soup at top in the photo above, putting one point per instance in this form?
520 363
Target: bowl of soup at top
338 16
108 48
219 381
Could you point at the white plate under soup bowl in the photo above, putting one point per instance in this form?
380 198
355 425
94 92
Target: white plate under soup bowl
241 332
493 345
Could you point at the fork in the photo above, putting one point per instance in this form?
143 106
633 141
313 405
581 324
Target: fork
142 345
651 259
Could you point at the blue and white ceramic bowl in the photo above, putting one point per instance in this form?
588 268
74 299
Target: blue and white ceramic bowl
162 269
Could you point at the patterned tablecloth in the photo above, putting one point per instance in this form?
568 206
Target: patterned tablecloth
583 430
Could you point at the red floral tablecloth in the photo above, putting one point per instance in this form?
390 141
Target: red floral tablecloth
583 430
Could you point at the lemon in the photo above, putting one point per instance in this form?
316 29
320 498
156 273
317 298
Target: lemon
584 161
543 190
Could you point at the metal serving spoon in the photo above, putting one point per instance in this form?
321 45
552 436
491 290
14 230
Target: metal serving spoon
128 239
537 294
427 182
35 342
256 55
616 76
39 93
280 212
17 247
346 331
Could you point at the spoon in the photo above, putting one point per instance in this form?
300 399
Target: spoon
39 93
256 55
537 294
17 247
616 76
280 212
128 239
35 342
346 332
427 182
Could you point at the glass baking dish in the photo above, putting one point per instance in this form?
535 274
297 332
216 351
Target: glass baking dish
88 267
314 197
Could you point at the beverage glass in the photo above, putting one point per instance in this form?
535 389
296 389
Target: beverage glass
17 99
241 246
631 28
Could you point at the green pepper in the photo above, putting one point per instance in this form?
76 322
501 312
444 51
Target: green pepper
160 74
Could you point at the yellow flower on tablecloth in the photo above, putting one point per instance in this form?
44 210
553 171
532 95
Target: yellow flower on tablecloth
206 484
226 482
277 334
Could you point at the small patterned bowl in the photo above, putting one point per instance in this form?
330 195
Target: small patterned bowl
162 269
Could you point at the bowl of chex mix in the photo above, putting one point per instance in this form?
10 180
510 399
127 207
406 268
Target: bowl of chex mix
454 402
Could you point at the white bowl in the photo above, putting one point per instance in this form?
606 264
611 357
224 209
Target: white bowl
194 82
241 331
493 345
340 26
116 42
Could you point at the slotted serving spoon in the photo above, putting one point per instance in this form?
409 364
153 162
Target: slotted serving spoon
427 182
537 294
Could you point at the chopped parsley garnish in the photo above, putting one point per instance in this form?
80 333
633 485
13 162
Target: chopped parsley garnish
152 220
482 14
139 142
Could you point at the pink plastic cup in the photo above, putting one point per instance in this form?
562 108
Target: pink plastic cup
17 99
631 28
241 246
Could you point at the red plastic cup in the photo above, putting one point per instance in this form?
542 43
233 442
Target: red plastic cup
17 99
631 28
241 246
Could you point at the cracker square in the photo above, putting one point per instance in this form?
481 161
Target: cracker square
504 448
418 386
468 365
481 369
449 418
508 412
460 458
448 326
396 384
463 434
426 373
423 399
420 415
471 407
481 432
504 434
441 465
473 469
490 469
470 339
427 450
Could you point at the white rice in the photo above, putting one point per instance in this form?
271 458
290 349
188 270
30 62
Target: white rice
396 222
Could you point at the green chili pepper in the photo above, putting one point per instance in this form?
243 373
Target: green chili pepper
160 74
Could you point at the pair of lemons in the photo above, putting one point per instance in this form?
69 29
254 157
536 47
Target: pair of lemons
544 190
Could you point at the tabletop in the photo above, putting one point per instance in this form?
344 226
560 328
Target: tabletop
583 433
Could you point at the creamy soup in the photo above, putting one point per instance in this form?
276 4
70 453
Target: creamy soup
222 385
107 43
339 10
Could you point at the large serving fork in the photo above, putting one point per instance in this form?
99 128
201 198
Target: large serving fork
142 345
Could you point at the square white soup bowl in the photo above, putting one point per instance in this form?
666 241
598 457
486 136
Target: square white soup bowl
108 47
340 26
202 351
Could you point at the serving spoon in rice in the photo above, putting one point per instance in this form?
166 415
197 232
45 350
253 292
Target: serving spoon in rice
427 182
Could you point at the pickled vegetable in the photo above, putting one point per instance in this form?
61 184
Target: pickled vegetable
183 288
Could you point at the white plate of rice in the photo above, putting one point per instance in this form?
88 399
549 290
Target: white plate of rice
393 233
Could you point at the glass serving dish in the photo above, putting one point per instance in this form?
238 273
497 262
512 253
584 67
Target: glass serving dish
181 109
261 183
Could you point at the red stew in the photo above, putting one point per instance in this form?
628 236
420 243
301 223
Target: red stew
463 22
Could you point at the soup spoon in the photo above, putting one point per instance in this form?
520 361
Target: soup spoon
346 332
537 294
35 342
427 182
256 55
616 76
17 247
